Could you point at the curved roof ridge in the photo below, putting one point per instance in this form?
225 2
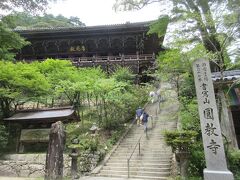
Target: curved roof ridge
83 27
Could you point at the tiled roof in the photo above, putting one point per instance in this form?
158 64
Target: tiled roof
227 75
42 114
110 26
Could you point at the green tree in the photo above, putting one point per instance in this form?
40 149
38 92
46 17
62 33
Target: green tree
32 6
56 71
123 74
200 14
19 82
9 42
3 137
25 20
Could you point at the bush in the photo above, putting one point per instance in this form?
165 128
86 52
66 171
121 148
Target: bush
86 143
123 74
115 136
185 141
196 160
180 140
73 130
189 115
234 163
3 137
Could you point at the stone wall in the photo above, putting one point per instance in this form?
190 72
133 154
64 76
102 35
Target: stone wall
88 161
33 165
28 165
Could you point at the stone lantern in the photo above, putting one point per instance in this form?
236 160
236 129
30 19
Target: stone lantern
94 129
74 155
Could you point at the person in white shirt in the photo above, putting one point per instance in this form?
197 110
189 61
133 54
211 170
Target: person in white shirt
152 95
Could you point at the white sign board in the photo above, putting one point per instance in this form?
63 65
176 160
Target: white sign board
211 131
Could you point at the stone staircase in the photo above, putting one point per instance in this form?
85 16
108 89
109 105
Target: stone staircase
154 160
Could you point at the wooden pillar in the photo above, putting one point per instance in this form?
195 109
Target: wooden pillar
18 136
108 64
226 122
54 157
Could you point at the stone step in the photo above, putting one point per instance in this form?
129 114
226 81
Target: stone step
135 173
127 150
116 153
154 161
132 168
142 164
145 143
125 156
134 177
136 158
158 143
131 139
160 161
145 158
149 138
142 154
130 149
154 141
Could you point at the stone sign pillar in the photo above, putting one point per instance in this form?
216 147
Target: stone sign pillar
54 157
211 132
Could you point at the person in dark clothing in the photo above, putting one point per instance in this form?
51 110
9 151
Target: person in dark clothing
139 112
145 120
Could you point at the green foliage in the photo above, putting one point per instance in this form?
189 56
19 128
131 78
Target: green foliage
235 65
119 101
20 20
108 101
180 140
56 70
196 160
159 27
19 82
199 37
187 88
176 66
9 42
234 163
3 137
176 62
186 141
115 136
32 6
171 60
87 143
189 115
123 74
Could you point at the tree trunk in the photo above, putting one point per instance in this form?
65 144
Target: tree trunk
5 107
105 112
52 102
207 29
213 43
54 157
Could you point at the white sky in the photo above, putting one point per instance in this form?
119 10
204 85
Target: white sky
100 12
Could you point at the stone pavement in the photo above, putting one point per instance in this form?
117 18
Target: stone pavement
105 178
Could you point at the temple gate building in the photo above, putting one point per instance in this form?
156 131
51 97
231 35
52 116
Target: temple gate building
106 46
